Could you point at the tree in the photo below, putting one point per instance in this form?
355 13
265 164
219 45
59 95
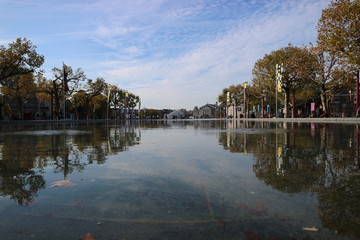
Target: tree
119 98
79 101
236 97
21 88
18 59
65 82
90 98
222 99
98 103
339 30
132 102
45 92
298 65
331 75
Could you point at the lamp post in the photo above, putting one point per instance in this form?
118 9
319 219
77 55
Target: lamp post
234 115
216 107
126 102
245 93
227 103
108 101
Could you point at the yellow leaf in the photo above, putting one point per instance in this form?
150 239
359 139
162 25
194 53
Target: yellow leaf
87 236
65 183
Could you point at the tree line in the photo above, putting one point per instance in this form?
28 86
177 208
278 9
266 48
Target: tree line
21 80
314 71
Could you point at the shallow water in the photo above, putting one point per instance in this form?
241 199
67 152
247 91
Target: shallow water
180 180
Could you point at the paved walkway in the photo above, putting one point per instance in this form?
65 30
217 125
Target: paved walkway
352 120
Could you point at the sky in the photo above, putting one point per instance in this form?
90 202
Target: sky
173 54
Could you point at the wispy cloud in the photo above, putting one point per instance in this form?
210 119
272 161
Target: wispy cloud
199 73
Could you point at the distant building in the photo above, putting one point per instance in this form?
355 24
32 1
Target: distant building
32 109
343 104
233 111
206 111
195 112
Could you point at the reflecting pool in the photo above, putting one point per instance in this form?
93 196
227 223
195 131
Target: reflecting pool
180 180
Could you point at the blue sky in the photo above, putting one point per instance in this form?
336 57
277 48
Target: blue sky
172 53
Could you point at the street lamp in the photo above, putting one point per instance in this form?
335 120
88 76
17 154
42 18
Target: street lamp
245 93
227 103
108 100
126 104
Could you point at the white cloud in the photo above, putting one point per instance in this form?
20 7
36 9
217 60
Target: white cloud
199 75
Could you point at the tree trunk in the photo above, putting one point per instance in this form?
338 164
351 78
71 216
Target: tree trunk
323 101
57 106
20 105
52 106
286 104
293 105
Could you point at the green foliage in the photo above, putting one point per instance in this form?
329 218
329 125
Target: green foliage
339 30
298 63
18 59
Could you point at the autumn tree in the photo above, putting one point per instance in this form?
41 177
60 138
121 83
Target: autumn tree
222 100
78 101
118 98
339 30
19 58
298 65
331 75
236 97
97 104
65 81
21 88
90 98
45 91
132 101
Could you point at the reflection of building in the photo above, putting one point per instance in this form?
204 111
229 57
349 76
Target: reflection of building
206 111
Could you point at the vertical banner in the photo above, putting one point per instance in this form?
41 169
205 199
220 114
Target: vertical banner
279 71
312 107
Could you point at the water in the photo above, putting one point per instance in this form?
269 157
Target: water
180 180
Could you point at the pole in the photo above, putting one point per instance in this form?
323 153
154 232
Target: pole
245 100
276 108
276 89
357 91
108 102
64 105
278 82
65 87
262 106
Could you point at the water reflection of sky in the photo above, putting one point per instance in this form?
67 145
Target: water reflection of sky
179 180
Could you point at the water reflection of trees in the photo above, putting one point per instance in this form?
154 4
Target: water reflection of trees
315 158
27 150
18 178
